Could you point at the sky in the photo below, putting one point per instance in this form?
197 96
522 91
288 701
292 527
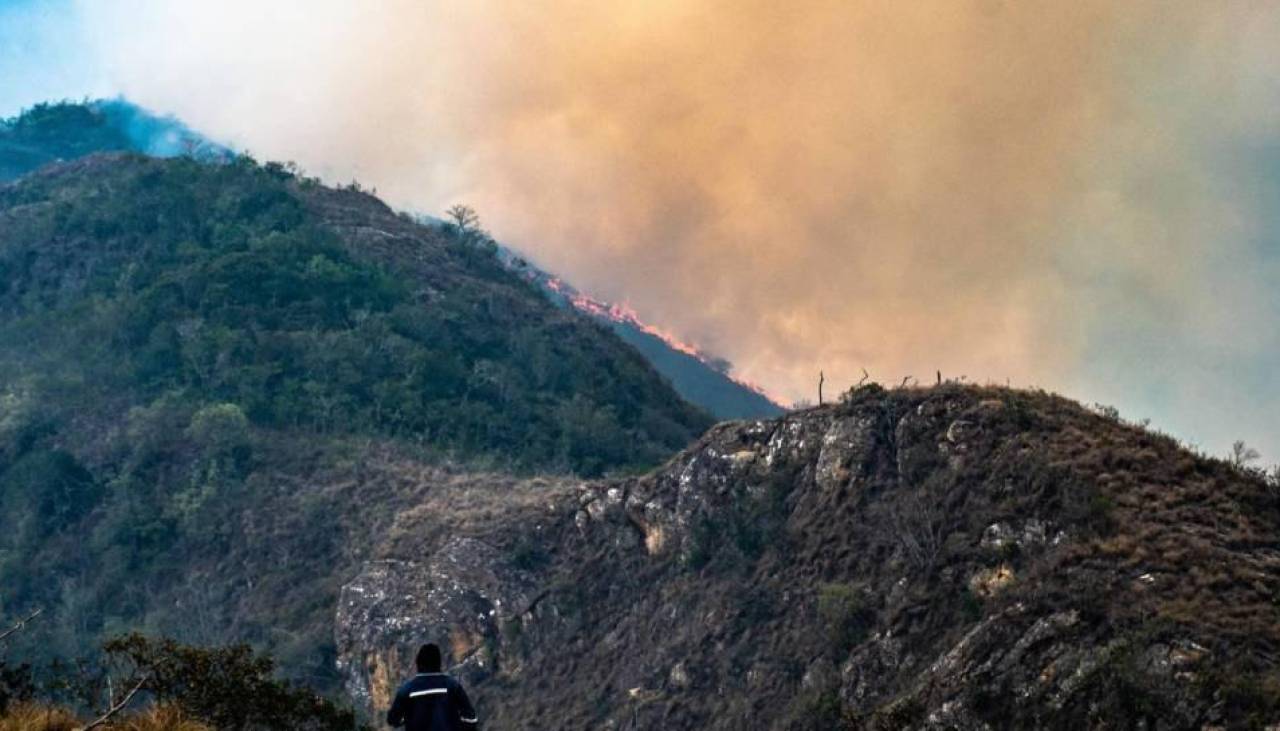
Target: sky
1078 195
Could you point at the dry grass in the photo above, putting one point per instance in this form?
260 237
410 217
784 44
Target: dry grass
26 717
159 718
30 717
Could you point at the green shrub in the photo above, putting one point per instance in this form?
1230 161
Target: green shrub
970 606
219 429
53 485
529 555
230 688
846 614
703 536
1249 700
16 684
816 710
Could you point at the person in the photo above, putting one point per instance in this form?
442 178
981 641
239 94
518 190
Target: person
432 700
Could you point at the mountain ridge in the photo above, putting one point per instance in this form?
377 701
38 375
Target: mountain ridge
239 405
180 340
952 557
701 378
63 131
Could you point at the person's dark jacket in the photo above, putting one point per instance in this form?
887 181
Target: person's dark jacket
432 702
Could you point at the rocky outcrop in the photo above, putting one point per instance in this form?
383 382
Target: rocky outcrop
460 595
943 558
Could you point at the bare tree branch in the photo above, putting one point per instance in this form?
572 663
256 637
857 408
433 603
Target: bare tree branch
22 623
865 376
102 720
916 524
1242 455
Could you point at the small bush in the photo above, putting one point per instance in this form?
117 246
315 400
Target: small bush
758 522
528 555
894 716
16 685
1273 483
229 688
1249 700
219 429
846 614
701 549
815 711
1100 515
970 606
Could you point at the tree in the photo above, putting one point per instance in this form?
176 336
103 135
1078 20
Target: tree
916 524
466 225
230 688
219 429
464 217
847 615
1242 455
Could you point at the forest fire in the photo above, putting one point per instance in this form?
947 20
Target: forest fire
626 316
623 314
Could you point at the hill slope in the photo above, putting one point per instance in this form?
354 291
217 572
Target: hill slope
701 379
179 341
61 131
65 131
696 379
919 558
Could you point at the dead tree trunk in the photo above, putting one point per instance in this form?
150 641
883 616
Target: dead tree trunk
20 625
113 710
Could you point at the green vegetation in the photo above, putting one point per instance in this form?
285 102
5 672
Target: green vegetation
49 132
847 615
180 282
179 338
814 710
230 688
46 133
144 684
746 530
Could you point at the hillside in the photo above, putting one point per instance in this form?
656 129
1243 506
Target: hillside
191 353
61 131
238 405
701 379
65 131
696 379
943 558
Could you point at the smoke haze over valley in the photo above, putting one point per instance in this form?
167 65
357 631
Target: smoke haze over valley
1079 196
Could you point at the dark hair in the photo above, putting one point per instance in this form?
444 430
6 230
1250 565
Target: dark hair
429 658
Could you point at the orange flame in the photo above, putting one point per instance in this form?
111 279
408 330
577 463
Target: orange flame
625 315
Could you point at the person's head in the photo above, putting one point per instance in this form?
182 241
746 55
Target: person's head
429 658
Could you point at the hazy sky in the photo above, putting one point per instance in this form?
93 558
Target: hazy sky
1082 195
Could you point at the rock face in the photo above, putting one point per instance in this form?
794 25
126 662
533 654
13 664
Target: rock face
922 558
460 595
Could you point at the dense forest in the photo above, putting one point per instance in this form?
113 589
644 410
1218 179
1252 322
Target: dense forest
180 282
48 133
191 348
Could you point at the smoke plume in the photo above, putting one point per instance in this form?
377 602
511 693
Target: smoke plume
1080 194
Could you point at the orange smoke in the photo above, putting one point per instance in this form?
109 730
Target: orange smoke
981 187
